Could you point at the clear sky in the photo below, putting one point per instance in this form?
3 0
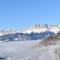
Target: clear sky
24 13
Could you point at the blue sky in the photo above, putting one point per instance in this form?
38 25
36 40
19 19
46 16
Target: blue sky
24 13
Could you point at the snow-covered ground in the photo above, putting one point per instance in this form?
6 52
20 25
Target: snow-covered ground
28 50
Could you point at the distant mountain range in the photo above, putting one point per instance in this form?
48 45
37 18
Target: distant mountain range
36 32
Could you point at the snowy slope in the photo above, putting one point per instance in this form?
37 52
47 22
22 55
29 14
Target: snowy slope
27 50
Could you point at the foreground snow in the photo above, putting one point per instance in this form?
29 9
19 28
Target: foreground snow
28 50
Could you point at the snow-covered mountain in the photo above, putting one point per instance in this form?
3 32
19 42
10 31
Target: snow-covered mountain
38 28
7 31
36 32
45 44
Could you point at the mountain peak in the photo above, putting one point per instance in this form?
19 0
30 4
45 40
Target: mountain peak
37 28
40 26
